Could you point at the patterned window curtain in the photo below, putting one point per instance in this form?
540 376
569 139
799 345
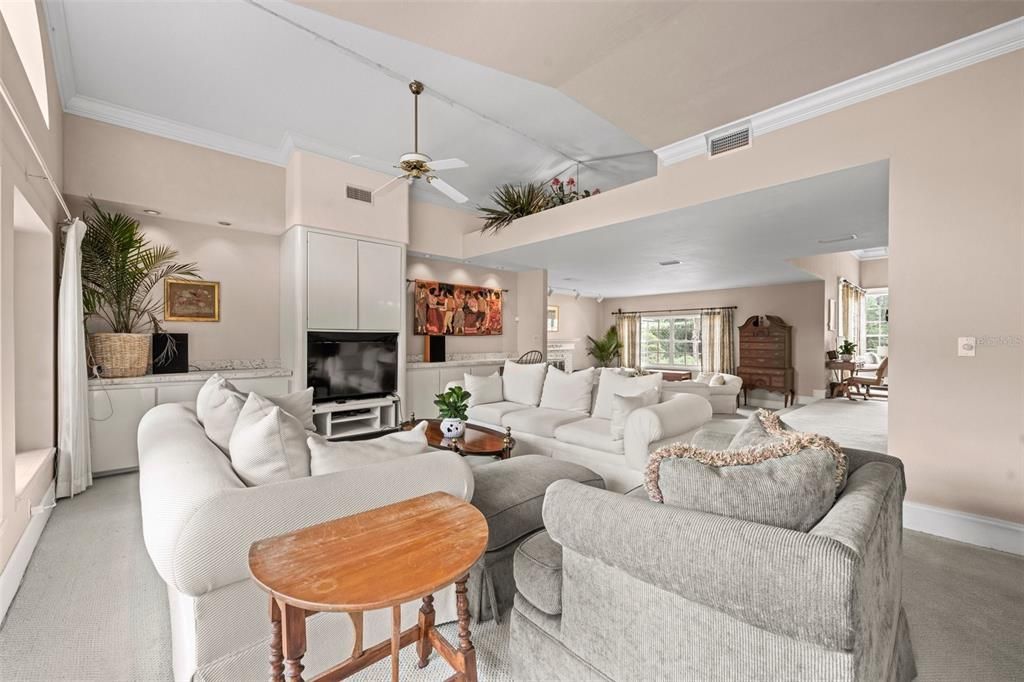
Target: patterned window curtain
716 340
851 299
628 326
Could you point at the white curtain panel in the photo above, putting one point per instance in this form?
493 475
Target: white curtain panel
74 460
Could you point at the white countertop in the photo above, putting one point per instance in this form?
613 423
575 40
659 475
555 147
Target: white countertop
454 363
194 376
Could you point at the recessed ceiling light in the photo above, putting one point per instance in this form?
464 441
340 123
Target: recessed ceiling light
835 240
151 211
355 156
669 262
224 223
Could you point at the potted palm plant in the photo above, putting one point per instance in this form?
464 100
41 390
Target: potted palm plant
452 406
120 270
605 350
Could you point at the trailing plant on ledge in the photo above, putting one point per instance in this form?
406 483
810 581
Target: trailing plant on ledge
518 201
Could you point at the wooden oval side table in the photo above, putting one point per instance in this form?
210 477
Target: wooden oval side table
478 440
377 559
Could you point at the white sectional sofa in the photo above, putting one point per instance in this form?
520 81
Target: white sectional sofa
544 420
199 518
723 393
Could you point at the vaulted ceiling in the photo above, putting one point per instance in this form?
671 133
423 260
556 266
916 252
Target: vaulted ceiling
664 71
260 77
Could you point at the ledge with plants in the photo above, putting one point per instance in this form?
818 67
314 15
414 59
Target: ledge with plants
512 201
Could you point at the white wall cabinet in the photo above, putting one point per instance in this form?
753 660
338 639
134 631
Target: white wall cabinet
332 281
381 283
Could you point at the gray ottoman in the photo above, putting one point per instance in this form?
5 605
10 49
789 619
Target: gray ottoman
510 494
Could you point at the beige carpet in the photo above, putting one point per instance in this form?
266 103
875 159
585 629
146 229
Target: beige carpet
93 608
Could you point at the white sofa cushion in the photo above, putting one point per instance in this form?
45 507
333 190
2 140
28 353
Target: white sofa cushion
591 433
492 413
539 421
268 444
716 380
327 457
565 391
612 384
483 390
523 383
623 405
219 403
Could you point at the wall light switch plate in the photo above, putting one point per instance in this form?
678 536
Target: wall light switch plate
966 345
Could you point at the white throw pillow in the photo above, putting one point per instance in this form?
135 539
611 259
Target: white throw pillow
623 405
217 408
219 404
613 384
483 390
523 384
565 391
268 444
717 380
326 457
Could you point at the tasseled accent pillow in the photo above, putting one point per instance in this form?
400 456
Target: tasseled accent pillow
784 478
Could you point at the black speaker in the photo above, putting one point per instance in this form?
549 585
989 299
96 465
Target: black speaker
433 349
170 353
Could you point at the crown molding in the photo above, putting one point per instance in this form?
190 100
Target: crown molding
961 53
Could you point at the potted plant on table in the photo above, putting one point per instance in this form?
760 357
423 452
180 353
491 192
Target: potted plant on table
452 406
605 350
846 351
120 270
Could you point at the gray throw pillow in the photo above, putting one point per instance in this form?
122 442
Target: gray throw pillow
786 478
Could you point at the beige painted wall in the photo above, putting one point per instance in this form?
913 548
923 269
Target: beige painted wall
578 319
830 267
16 162
247 266
531 311
798 304
458 273
315 196
183 181
874 274
955 256
34 339
438 230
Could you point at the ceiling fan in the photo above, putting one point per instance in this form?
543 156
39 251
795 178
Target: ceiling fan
417 166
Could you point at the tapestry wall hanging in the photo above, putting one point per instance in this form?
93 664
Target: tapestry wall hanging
443 309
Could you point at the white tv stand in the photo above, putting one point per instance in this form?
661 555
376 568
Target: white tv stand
344 418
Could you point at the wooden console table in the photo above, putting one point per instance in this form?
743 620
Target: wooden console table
377 559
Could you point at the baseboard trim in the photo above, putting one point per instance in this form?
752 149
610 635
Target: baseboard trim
778 403
14 571
982 531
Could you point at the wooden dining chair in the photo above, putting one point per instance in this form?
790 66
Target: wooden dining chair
532 357
855 382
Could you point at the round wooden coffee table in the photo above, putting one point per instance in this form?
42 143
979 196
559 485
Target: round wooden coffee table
478 440
378 559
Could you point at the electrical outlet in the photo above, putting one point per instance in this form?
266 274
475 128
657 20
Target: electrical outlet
965 346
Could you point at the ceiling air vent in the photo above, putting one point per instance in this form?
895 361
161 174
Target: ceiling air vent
731 140
359 194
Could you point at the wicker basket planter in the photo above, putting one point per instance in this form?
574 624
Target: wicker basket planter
120 355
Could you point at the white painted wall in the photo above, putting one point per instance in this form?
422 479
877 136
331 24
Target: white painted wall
578 319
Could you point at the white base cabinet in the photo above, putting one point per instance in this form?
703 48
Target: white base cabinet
116 410
422 384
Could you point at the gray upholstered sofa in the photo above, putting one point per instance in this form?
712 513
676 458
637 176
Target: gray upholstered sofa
622 588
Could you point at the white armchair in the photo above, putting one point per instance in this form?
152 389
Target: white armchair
724 398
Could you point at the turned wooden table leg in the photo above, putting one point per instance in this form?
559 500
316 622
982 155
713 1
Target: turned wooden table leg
426 623
396 640
466 651
276 657
293 622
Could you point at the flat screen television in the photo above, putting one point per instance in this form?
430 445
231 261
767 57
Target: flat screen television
351 365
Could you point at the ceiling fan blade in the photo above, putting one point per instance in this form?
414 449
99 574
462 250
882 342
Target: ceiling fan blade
447 164
447 190
393 182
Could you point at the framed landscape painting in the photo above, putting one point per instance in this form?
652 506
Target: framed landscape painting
442 309
191 300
